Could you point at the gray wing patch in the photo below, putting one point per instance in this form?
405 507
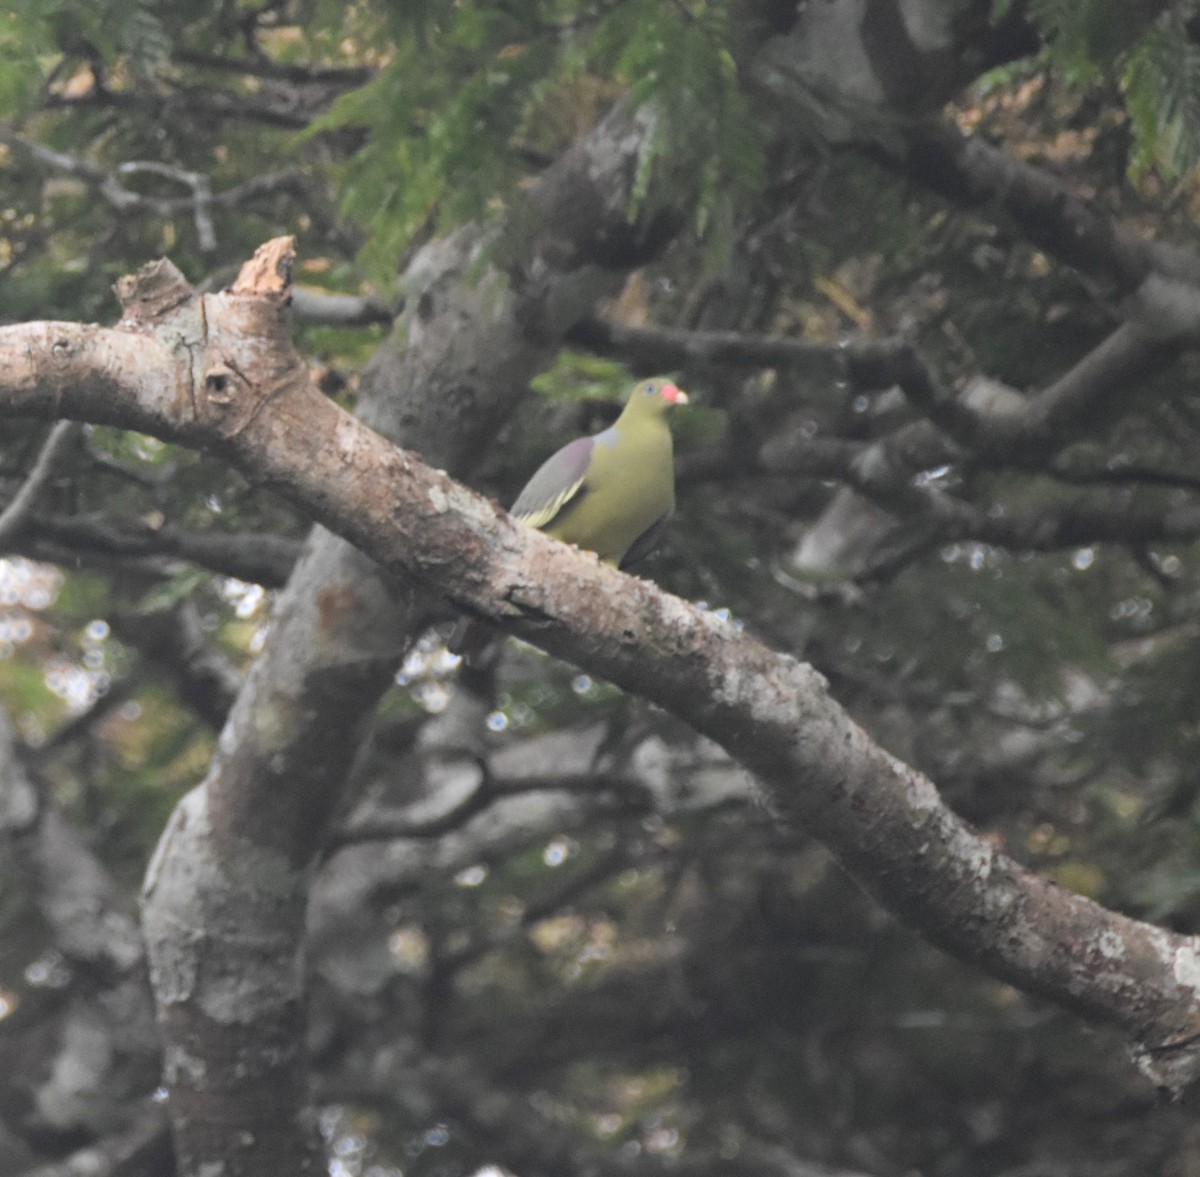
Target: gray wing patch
557 481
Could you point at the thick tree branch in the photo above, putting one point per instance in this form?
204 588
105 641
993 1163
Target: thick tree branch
882 818
1087 394
972 172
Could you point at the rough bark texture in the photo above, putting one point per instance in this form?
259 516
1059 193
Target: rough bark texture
881 817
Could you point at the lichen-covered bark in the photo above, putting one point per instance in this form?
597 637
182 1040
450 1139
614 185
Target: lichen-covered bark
882 818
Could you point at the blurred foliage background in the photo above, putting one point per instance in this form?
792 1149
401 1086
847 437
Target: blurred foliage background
636 970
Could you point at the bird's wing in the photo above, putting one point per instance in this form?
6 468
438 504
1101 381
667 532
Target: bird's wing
557 481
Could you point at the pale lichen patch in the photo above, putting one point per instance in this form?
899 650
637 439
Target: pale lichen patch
179 1064
927 25
716 622
1110 945
348 438
255 991
981 856
727 685
447 496
190 813
774 696
264 875
924 797
1185 967
274 723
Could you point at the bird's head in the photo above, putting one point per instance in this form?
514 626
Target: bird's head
654 397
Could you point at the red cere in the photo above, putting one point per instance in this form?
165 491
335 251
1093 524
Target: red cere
673 395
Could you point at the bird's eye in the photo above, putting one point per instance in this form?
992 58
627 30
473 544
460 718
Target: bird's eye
648 389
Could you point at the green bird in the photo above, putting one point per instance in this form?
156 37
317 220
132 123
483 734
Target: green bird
611 493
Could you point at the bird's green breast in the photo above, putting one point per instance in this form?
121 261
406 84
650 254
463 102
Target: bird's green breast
629 487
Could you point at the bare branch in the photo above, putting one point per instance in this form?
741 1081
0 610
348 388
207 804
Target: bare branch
199 204
202 196
80 725
381 828
339 310
199 102
1086 395
972 172
340 77
255 558
657 348
15 516
1134 474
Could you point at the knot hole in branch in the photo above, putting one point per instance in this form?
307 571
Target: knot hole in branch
218 385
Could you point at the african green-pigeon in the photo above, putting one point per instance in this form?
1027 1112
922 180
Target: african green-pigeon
610 493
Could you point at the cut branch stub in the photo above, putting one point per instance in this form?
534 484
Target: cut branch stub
152 293
269 271
236 344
